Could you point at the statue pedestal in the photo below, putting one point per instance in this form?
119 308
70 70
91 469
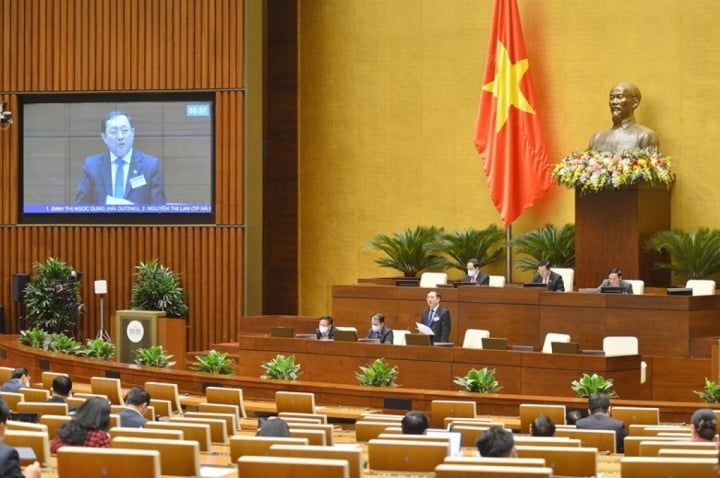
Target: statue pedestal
611 228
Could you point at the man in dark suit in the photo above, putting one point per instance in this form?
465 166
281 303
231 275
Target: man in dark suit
120 174
599 406
136 403
9 457
20 379
61 387
615 280
379 331
436 317
475 275
544 275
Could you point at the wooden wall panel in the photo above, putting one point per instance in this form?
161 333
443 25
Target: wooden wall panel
208 257
280 177
97 45
81 46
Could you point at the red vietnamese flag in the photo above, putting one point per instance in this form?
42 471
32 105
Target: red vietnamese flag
507 133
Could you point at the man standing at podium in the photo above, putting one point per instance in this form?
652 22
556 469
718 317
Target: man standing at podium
437 318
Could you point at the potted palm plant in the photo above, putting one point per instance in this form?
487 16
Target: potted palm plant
694 255
157 287
485 245
410 251
546 243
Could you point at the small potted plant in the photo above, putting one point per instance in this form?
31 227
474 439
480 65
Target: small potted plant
711 392
589 385
377 374
34 337
63 344
479 380
214 362
99 349
281 368
153 356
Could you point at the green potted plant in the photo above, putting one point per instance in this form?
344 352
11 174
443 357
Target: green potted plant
52 297
711 392
99 349
63 344
479 380
694 255
281 368
153 356
377 374
546 243
158 288
410 251
34 337
214 362
461 246
588 385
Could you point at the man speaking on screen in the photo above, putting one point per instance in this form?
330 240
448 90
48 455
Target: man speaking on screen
120 175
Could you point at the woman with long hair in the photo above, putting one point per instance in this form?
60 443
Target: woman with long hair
89 426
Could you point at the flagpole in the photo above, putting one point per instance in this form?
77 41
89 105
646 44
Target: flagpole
508 255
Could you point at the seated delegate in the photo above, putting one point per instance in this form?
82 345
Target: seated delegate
475 275
378 330
614 279
544 275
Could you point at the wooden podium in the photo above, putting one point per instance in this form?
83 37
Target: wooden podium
611 228
136 329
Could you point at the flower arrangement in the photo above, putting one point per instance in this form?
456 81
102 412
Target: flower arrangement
593 171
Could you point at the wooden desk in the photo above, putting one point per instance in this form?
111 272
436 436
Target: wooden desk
527 373
665 325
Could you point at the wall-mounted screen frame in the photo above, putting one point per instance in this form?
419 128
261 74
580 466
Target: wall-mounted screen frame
70 144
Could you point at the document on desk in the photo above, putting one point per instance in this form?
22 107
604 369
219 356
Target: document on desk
424 329
214 471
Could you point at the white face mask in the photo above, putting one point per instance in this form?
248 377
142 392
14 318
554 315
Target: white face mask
471 272
323 329
376 328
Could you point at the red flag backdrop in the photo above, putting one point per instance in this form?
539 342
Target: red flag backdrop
508 134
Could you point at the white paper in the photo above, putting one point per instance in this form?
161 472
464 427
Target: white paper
424 329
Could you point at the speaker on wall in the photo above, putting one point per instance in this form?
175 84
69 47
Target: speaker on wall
19 281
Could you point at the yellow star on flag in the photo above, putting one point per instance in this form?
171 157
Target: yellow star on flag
506 86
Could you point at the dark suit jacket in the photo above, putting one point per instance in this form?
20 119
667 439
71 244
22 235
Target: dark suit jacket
131 418
440 325
600 421
555 282
9 462
385 335
482 279
56 399
96 180
623 283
